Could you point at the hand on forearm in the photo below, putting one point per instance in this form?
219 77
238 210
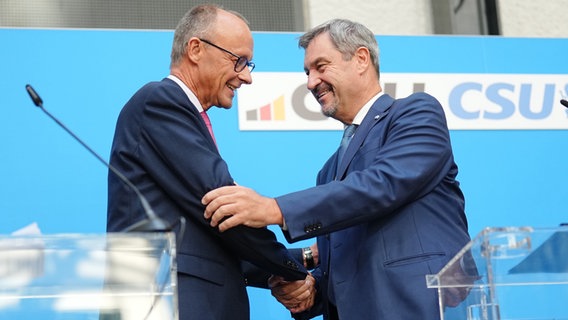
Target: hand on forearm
231 206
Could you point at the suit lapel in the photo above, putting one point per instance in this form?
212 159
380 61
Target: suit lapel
377 112
189 105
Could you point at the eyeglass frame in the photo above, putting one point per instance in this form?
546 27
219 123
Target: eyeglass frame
247 63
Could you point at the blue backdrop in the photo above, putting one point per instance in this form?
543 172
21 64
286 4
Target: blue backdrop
509 177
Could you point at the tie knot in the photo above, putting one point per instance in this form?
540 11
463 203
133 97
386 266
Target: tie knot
205 118
349 131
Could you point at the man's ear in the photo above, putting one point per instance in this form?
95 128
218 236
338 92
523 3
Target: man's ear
194 49
363 57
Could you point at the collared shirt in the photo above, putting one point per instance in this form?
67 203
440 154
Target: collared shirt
190 95
357 121
363 112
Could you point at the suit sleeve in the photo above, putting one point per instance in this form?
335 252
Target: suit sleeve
178 152
394 166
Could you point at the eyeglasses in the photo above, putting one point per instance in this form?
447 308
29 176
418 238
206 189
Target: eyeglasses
241 62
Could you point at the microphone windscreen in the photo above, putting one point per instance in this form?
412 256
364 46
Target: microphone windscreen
35 97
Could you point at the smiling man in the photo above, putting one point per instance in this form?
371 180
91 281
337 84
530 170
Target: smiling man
163 143
387 209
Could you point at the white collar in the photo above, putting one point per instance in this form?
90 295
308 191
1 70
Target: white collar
363 112
190 95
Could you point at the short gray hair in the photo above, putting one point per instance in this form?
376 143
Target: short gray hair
197 22
347 36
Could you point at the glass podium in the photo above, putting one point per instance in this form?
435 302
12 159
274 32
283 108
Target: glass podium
505 274
114 276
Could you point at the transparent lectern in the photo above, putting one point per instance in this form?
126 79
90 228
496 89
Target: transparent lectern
507 273
111 276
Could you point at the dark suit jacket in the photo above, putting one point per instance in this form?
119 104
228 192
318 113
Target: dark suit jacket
163 146
396 215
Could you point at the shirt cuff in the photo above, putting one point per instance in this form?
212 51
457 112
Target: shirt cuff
284 226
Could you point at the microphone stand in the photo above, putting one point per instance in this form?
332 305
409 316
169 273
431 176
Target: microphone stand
152 223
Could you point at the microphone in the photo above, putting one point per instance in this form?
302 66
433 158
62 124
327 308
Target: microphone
564 102
152 223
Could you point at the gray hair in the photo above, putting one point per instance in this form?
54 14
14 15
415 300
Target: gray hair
347 36
197 22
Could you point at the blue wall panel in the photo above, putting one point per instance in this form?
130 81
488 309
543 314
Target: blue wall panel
509 177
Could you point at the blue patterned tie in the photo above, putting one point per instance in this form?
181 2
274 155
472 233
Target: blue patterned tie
347 135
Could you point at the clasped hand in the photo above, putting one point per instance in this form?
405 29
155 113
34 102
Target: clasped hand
296 296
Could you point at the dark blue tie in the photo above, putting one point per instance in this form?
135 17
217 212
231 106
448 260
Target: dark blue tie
347 135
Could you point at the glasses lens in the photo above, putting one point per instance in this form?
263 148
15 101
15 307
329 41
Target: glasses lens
241 64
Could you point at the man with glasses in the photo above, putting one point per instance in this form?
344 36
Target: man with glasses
164 144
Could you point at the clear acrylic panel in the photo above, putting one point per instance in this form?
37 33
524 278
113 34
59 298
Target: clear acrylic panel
505 274
74 276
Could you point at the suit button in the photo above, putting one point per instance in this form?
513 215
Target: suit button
292 264
312 227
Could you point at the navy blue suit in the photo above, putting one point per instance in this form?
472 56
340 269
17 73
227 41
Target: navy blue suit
163 146
392 214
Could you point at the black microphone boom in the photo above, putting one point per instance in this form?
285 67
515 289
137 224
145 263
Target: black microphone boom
564 102
152 223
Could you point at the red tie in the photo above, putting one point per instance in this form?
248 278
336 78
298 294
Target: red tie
208 124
